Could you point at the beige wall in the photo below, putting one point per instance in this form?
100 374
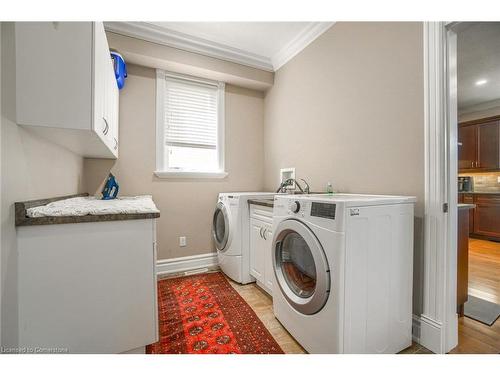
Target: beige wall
349 109
186 205
154 55
31 168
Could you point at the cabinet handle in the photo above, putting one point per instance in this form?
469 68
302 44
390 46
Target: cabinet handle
261 236
116 143
264 234
106 128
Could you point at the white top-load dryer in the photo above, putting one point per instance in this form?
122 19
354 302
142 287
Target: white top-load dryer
230 230
343 271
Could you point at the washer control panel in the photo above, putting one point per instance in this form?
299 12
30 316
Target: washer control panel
324 210
296 207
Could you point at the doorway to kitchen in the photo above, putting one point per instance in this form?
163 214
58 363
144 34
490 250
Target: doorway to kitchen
478 169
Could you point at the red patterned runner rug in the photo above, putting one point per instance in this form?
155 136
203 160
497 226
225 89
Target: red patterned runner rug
204 314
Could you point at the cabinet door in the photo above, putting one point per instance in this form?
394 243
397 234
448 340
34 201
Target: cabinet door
100 83
467 147
115 110
257 244
268 251
53 74
488 145
111 109
486 216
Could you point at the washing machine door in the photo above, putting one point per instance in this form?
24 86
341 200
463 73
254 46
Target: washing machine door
220 227
301 267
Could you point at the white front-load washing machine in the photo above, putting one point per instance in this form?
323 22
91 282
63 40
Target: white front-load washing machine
230 230
343 271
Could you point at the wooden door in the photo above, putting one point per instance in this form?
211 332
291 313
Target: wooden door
467 147
488 145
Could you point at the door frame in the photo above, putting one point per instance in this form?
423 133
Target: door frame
437 326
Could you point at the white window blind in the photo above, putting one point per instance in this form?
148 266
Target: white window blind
190 114
189 126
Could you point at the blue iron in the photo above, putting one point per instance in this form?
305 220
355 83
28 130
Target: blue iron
110 190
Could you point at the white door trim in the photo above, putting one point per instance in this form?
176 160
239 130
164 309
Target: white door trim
438 321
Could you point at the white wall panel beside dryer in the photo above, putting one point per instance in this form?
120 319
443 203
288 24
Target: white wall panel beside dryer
65 86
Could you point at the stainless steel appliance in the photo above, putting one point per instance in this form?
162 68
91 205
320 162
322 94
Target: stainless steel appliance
465 184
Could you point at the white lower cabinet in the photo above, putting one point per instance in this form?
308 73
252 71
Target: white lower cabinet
87 287
261 237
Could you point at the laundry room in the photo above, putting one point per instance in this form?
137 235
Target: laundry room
230 187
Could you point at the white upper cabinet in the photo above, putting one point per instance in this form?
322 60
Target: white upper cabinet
65 86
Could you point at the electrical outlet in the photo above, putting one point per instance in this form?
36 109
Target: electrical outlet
182 241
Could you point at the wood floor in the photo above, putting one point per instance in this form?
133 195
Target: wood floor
484 270
473 337
262 304
484 282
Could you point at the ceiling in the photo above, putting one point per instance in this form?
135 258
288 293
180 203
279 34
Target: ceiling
260 38
478 58
263 45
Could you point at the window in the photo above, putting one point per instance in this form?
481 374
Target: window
189 126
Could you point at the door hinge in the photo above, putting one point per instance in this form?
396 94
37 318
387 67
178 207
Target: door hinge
445 207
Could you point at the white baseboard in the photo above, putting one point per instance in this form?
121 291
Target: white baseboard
427 332
415 329
183 264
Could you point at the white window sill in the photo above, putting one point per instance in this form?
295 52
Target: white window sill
187 174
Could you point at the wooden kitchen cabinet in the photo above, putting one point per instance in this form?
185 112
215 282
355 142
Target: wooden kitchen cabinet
469 199
467 147
484 219
479 145
488 145
487 215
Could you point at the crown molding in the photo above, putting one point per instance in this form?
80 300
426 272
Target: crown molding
156 34
301 41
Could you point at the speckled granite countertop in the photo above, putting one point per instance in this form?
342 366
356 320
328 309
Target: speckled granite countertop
479 192
23 220
466 206
262 202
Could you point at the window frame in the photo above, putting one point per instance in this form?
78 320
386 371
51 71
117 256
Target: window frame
162 170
